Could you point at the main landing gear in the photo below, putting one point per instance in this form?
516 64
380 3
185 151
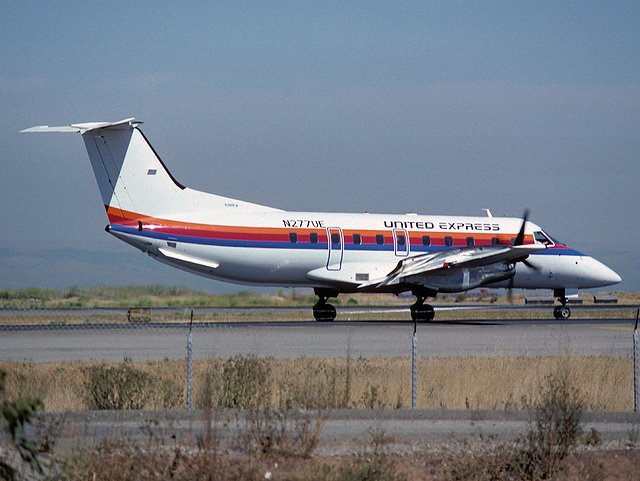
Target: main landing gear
322 311
561 312
421 312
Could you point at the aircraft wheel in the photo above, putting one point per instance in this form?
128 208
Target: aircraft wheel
422 313
561 312
324 312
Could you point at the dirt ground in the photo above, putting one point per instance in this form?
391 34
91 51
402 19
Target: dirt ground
603 465
600 465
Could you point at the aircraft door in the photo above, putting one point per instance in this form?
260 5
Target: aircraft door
401 242
336 248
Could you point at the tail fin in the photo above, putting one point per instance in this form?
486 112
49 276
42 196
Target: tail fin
134 183
130 175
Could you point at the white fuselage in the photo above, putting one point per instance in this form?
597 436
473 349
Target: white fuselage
281 248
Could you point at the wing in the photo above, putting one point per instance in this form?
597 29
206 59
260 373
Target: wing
453 262
437 271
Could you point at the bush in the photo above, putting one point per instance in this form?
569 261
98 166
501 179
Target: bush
286 432
240 382
13 417
116 387
555 428
310 385
244 383
374 464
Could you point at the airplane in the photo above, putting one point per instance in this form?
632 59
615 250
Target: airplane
333 253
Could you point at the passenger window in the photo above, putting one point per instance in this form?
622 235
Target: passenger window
448 241
379 239
401 240
426 240
495 241
313 238
470 242
293 237
335 238
357 239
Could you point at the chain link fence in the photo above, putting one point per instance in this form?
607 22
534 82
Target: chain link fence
138 358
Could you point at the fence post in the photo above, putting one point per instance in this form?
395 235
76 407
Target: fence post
190 365
636 396
414 367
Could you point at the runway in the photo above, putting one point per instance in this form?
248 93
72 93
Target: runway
368 339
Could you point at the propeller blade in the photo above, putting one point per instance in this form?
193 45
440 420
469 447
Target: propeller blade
520 239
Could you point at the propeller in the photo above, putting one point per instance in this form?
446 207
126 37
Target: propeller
520 239
518 242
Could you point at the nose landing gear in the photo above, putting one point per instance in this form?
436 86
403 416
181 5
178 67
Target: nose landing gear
561 312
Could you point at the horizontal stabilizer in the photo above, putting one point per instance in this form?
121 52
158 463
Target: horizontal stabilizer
82 128
46 128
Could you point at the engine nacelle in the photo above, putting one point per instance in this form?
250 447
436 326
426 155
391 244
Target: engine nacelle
464 279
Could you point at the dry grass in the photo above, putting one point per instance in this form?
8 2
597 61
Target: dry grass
498 382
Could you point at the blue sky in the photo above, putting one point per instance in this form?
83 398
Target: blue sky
436 108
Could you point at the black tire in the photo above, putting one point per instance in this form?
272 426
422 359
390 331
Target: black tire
561 312
324 312
422 313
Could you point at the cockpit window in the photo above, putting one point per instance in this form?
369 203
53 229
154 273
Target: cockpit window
546 239
542 239
557 242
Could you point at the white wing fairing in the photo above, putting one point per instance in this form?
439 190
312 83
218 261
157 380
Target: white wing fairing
241 242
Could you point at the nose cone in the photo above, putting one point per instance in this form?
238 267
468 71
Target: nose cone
601 275
610 277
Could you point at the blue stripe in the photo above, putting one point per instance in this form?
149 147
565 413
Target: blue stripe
558 252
